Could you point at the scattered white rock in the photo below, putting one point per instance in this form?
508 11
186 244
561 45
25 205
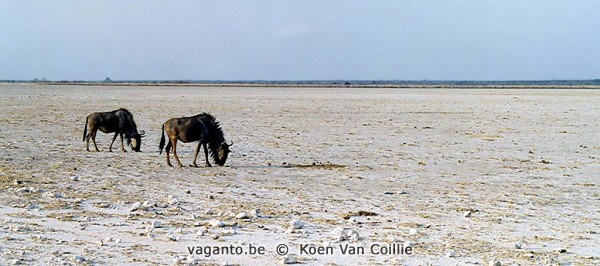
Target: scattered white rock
451 254
468 214
391 238
296 224
99 243
216 223
108 239
494 263
192 260
147 204
187 191
75 178
255 213
343 234
201 232
156 224
288 260
519 244
215 236
242 215
27 189
173 200
173 237
413 232
208 211
228 232
176 261
409 244
136 206
79 258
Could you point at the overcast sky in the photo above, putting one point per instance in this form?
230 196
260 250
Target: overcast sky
300 40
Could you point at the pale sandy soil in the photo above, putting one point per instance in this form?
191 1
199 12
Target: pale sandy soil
525 163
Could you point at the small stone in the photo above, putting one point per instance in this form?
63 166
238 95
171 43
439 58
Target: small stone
156 224
228 232
75 178
118 240
173 238
99 243
451 254
79 258
242 215
176 261
467 214
288 260
413 232
147 204
108 239
343 234
494 263
208 211
18 182
187 191
216 223
254 213
519 244
409 244
201 232
15 262
173 200
215 236
296 224
136 206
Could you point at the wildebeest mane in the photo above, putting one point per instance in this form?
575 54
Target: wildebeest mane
128 123
215 136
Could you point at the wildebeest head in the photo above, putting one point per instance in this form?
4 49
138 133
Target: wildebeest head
136 140
222 153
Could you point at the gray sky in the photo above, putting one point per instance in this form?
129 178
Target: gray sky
298 40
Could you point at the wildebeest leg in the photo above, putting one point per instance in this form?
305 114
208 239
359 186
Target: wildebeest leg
196 155
113 141
122 146
94 139
87 141
168 150
206 155
174 141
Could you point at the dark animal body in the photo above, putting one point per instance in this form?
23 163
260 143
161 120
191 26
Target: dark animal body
203 128
118 121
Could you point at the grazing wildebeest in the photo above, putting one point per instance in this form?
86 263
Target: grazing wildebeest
119 121
203 128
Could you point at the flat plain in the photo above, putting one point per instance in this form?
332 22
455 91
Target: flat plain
461 176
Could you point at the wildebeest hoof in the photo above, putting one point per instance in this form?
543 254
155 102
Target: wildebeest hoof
194 165
208 165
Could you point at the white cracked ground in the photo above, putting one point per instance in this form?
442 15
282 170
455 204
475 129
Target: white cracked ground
523 163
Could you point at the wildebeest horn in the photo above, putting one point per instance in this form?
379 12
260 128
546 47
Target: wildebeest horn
142 133
231 143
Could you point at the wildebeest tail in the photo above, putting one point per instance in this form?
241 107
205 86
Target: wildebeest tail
85 129
162 140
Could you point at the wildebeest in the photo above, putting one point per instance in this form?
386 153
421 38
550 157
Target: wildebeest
203 128
119 121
